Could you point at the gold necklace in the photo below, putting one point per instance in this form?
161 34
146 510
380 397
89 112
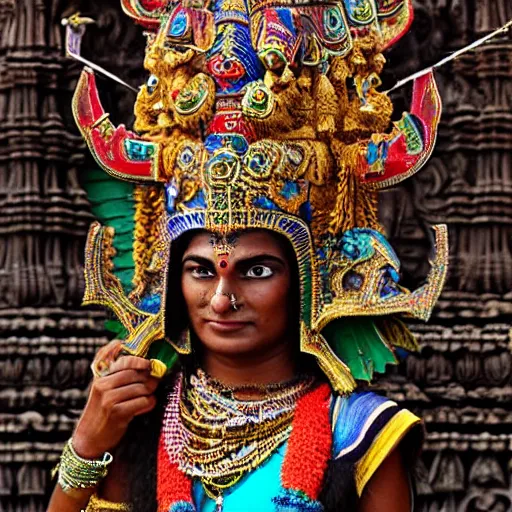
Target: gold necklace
225 437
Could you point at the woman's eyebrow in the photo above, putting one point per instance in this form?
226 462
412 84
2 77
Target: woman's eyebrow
260 258
201 260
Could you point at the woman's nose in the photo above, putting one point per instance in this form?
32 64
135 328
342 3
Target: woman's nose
220 302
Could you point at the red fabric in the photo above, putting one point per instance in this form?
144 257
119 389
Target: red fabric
309 448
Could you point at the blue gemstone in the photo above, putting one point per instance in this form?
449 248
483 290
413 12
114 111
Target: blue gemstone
186 156
197 202
139 151
389 286
239 144
171 192
372 154
236 143
265 203
352 281
179 25
290 190
150 304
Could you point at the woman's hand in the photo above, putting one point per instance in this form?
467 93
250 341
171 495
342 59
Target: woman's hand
114 400
125 390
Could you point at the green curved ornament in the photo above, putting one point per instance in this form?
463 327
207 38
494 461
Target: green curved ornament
360 345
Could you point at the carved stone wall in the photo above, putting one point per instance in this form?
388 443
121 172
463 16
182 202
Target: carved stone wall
461 381
47 339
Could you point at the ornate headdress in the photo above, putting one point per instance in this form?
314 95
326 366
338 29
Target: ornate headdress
267 114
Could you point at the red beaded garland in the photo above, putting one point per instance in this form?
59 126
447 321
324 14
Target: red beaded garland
310 444
172 484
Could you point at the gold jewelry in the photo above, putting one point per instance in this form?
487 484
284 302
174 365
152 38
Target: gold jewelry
224 438
100 368
98 505
77 473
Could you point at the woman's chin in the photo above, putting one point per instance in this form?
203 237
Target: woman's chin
234 344
231 346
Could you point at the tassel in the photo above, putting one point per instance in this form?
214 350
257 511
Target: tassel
174 488
343 216
150 205
360 345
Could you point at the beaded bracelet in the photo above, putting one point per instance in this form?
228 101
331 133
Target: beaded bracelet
98 505
76 473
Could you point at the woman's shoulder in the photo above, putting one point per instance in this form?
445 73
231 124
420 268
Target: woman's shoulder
367 427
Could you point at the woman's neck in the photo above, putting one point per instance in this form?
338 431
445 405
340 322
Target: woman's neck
273 366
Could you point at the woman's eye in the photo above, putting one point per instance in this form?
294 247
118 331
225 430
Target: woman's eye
259 271
201 272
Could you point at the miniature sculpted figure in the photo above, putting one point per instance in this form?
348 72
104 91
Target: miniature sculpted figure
263 291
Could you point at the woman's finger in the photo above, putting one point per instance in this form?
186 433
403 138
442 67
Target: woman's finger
117 396
120 379
130 363
105 357
135 407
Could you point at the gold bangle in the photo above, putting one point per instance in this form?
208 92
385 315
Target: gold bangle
76 473
98 505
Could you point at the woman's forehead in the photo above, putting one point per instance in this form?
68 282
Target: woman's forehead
239 244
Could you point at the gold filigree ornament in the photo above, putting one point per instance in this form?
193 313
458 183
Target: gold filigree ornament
369 285
265 115
102 287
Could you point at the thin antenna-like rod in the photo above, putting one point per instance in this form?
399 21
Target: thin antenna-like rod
453 56
103 71
75 30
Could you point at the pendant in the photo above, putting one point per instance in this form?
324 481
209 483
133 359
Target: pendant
219 502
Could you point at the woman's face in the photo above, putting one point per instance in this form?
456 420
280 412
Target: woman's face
238 305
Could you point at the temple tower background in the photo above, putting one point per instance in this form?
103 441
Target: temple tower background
461 381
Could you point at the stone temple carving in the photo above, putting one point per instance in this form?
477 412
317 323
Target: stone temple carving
460 382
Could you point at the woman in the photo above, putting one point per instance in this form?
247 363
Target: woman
262 137
248 350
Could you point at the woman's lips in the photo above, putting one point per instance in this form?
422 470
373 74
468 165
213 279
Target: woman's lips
224 326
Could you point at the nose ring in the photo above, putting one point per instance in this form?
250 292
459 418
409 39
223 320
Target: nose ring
232 299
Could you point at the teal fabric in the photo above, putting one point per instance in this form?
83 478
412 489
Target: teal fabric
253 494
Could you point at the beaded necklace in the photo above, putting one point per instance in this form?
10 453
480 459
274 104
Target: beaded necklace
217 438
